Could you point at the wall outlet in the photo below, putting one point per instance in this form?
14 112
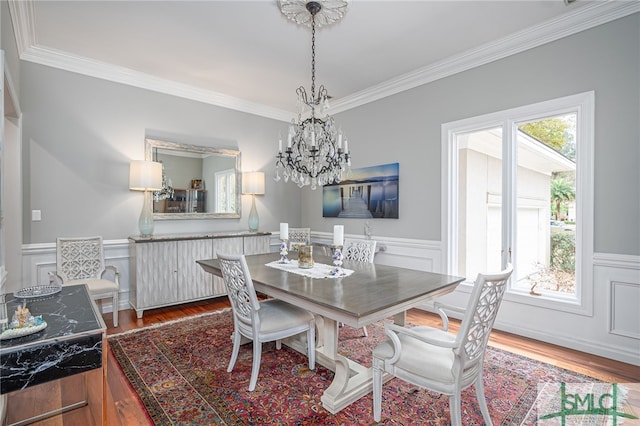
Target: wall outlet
36 215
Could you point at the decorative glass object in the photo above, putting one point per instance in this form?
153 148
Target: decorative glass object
305 257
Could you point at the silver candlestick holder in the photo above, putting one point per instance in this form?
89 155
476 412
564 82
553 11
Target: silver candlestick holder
337 262
284 251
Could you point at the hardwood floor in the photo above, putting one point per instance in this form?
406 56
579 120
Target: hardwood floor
123 407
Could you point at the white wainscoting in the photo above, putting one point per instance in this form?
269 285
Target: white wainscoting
401 252
613 331
620 276
40 259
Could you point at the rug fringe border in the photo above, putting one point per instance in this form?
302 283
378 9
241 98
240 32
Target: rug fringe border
165 323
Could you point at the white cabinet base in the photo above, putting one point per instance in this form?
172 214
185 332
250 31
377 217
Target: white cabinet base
164 271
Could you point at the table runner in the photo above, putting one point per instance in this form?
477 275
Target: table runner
319 270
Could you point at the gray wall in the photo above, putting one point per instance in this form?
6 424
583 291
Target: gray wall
80 134
405 128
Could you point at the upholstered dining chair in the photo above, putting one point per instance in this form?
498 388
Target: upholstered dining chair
438 360
299 236
81 261
261 321
359 251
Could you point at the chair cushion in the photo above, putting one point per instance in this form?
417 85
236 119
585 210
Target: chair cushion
96 286
276 315
420 358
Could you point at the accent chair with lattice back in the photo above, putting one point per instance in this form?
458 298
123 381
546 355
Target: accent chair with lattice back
299 237
81 261
261 320
438 360
359 251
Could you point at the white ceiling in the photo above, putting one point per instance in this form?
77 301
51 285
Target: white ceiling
246 55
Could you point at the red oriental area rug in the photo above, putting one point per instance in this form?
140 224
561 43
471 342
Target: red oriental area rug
178 370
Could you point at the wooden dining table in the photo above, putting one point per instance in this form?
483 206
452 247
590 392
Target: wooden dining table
371 293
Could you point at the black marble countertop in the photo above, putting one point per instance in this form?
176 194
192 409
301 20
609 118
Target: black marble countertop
199 236
70 344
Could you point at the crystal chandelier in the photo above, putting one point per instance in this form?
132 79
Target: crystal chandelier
167 188
314 154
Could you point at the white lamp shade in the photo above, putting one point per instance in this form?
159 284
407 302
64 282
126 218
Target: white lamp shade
145 175
253 183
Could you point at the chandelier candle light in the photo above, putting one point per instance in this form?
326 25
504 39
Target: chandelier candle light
314 154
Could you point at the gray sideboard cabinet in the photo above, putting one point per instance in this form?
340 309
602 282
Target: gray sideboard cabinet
164 271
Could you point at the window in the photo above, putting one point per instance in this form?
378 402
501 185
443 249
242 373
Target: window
225 190
519 188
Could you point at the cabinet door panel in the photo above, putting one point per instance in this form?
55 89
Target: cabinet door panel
225 246
193 281
156 274
256 244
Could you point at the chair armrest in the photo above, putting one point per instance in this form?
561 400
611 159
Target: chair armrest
442 309
54 278
393 331
114 270
390 328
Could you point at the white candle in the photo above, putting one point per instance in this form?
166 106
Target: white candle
338 235
284 231
289 141
313 138
340 141
280 145
346 146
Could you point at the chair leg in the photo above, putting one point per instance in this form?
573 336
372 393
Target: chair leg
377 391
115 308
455 408
236 348
255 367
364 331
482 401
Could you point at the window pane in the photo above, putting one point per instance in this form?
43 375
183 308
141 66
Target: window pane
546 198
479 202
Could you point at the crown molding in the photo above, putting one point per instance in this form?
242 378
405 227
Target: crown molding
62 60
583 18
23 19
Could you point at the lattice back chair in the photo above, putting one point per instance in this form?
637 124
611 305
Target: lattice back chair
261 321
438 360
81 260
298 237
359 251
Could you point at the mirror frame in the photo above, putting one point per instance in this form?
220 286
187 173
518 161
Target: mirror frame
150 144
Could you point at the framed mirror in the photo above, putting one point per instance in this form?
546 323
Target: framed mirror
198 182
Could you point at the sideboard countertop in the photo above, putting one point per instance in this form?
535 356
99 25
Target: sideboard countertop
198 236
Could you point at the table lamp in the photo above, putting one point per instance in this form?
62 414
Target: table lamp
145 176
253 184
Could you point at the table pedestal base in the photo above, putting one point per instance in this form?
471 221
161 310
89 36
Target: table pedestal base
352 380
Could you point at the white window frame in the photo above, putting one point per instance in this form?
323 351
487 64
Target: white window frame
218 175
583 105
